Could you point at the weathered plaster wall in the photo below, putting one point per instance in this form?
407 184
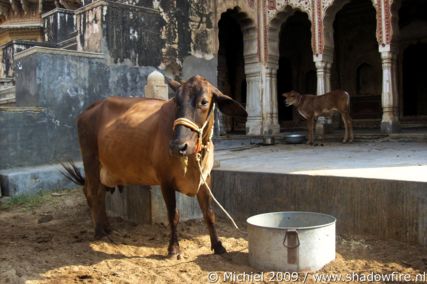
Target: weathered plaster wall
157 33
59 25
61 85
9 52
126 34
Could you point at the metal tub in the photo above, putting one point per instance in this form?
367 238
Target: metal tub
291 241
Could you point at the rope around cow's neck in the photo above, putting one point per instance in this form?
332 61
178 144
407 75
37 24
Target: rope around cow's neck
200 146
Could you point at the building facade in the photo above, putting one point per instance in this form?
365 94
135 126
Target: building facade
255 50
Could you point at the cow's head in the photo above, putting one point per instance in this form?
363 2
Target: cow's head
292 98
195 101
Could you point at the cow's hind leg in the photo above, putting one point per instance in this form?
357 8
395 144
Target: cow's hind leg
173 217
95 195
206 206
96 200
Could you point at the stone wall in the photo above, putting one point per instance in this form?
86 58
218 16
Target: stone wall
124 33
386 209
59 26
53 87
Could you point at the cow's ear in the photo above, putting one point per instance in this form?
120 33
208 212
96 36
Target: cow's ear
173 84
285 95
227 105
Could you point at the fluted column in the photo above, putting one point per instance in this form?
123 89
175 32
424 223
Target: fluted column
389 97
269 102
254 94
323 63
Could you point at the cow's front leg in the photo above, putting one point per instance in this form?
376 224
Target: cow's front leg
206 206
173 217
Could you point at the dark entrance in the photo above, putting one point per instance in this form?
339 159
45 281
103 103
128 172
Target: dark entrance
357 62
413 44
296 68
231 65
415 80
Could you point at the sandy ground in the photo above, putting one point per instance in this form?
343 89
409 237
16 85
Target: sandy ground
52 242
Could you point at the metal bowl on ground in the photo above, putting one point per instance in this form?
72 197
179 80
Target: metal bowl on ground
291 241
294 138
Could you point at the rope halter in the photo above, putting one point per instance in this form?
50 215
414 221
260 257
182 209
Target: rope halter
193 126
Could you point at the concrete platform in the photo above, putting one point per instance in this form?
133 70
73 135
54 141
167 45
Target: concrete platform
391 160
376 188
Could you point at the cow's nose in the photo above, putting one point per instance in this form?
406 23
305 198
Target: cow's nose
178 147
182 148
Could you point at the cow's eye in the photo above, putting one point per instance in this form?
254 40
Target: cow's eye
204 102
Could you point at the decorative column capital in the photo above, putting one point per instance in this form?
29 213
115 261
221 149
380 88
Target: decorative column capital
388 48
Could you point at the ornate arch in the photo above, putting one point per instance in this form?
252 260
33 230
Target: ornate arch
275 23
247 18
327 11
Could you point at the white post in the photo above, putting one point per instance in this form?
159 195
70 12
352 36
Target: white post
156 86
389 96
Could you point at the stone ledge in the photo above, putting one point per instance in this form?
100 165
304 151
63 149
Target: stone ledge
32 179
60 51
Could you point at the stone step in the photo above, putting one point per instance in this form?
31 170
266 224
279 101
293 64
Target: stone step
6 83
33 179
7 95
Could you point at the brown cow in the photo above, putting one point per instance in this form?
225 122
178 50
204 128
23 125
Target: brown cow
152 142
310 107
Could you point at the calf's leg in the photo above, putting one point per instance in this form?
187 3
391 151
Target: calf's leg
310 130
205 203
173 217
348 135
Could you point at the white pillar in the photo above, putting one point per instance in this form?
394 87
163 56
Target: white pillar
389 96
323 64
269 102
254 93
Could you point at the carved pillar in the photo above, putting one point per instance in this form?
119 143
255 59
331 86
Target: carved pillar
389 96
323 64
254 94
270 125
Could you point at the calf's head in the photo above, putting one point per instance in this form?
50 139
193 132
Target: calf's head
292 98
195 100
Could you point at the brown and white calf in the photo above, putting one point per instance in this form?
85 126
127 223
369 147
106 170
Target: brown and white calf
311 107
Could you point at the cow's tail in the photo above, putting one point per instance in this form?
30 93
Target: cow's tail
72 172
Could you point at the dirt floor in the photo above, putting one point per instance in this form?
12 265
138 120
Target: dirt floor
50 240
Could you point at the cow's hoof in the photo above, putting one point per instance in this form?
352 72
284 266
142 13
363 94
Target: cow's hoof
102 231
344 141
172 255
218 248
174 251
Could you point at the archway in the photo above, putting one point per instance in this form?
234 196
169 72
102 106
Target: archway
413 57
357 62
231 65
296 67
